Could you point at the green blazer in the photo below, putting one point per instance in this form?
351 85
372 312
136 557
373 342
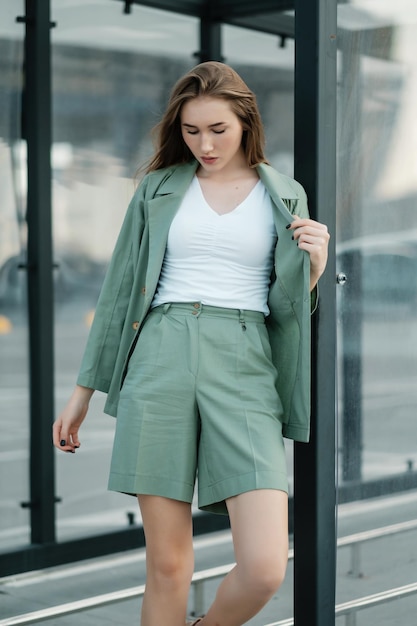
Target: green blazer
132 278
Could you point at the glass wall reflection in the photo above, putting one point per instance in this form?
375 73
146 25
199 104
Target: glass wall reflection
377 313
111 76
266 63
14 394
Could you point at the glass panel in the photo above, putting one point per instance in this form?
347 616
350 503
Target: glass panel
267 65
14 424
377 323
111 77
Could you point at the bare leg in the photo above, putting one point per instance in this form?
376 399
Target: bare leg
259 523
169 560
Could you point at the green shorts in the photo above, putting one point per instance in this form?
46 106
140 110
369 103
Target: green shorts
199 399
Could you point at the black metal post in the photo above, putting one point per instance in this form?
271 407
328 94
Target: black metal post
315 168
210 37
37 131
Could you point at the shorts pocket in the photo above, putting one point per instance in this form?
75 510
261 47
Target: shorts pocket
256 354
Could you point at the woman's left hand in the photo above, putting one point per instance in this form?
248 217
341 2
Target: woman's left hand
313 237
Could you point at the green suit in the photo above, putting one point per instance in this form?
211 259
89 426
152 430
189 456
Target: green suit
133 275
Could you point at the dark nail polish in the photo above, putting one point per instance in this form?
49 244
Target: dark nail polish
288 226
62 442
292 237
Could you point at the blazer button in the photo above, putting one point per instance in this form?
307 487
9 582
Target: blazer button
143 291
135 325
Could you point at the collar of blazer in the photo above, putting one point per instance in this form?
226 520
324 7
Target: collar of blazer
176 179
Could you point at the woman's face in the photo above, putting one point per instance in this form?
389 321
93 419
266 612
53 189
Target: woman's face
213 133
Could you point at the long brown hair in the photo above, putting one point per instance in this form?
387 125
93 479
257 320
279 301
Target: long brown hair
216 80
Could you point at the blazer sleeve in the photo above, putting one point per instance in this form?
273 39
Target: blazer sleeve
97 365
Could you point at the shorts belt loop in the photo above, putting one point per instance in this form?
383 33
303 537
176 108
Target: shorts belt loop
166 307
242 319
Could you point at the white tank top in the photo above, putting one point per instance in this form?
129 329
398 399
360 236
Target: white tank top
219 260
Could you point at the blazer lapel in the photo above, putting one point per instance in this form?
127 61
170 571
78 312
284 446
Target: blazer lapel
279 188
162 208
288 260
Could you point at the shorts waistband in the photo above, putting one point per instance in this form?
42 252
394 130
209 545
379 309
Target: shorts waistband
198 308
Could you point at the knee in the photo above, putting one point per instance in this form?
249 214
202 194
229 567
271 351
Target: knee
269 580
170 570
265 577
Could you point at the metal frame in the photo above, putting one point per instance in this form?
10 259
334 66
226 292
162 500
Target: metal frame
222 10
210 35
315 168
39 266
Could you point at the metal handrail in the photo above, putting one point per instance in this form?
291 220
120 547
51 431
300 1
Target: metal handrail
397 593
74 607
377 533
354 541
348 608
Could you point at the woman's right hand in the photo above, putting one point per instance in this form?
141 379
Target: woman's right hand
66 426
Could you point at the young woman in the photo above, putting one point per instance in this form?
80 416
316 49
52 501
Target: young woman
201 341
